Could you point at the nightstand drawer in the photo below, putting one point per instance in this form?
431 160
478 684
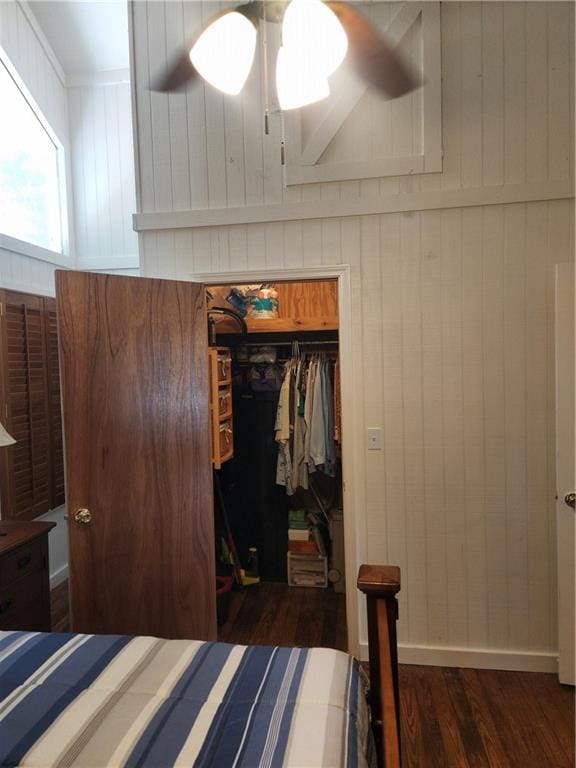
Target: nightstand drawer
19 604
26 559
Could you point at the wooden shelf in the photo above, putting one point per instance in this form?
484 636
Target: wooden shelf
302 306
280 325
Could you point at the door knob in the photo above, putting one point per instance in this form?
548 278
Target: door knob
83 516
570 500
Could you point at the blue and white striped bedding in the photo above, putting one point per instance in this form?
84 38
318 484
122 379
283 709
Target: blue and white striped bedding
109 700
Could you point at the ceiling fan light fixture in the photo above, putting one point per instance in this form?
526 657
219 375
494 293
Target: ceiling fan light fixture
312 28
295 84
224 52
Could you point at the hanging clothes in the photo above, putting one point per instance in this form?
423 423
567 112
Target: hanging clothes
305 422
337 404
318 436
310 380
299 468
328 406
282 430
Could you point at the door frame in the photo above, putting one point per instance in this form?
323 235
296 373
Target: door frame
354 520
565 470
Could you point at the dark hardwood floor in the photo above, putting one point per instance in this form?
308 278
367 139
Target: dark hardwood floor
59 608
276 614
451 718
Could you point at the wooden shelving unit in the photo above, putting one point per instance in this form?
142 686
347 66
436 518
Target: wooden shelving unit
222 432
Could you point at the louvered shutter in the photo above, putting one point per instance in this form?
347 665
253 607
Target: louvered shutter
54 405
26 465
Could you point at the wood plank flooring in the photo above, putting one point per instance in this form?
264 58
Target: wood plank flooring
59 606
276 614
451 718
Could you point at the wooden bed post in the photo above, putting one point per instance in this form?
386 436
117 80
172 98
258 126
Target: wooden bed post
380 584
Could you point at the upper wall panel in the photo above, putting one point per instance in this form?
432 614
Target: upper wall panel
43 78
103 171
507 114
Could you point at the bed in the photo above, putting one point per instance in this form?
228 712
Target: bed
110 700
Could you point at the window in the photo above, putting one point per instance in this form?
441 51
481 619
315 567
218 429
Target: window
31 470
29 171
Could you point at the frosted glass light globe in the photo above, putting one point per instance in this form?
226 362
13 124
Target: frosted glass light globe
224 52
295 85
311 27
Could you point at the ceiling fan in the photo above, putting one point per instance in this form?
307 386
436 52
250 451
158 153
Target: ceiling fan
317 36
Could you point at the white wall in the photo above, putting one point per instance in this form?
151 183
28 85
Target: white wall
103 174
23 273
506 113
452 291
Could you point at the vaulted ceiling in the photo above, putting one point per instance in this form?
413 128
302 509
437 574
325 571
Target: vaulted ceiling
86 35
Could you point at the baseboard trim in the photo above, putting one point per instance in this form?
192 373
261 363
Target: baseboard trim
58 576
474 658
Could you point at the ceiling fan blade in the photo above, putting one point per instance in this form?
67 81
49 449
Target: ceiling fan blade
182 72
370 55
177 76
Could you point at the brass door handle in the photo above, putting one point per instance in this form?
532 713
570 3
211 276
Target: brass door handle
570 500
83 516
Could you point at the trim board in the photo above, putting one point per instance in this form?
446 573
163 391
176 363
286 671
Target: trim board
474 658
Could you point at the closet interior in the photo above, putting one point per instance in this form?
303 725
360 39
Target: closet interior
276 438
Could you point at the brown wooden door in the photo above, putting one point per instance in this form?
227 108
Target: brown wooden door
134 367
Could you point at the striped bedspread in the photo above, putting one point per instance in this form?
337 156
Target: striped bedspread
109 700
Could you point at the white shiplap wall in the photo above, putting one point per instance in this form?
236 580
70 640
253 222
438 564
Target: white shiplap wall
507 113
23 273
103 175
456 359
453 308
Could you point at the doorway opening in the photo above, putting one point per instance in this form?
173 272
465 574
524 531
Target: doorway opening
280 507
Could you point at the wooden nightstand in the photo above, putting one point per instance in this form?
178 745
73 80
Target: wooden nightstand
24 575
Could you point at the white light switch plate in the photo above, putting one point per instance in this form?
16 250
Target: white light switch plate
374 439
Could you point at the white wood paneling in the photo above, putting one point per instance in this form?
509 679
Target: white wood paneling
506 112
103 174
452 289
455 362
23 273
